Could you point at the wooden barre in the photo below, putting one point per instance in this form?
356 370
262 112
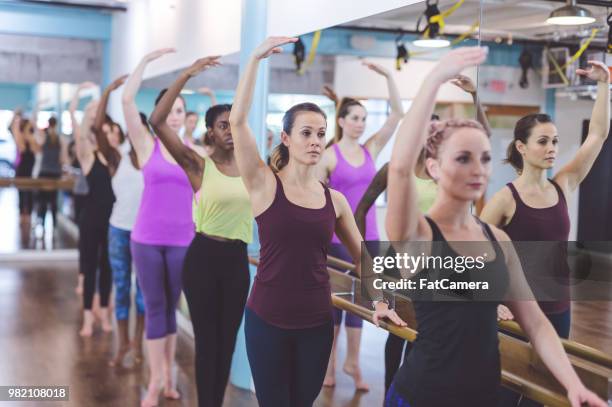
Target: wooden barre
522 371
45 184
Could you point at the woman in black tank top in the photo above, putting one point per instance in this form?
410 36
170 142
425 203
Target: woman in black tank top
23 133
96 210
455 360
534 208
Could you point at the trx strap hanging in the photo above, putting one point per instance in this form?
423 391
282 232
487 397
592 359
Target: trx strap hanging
526 62
316 38
299 53
435 19
402 53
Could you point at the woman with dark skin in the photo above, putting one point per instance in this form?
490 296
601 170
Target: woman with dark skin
216 272
458 158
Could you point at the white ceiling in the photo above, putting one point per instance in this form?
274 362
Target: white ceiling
521 18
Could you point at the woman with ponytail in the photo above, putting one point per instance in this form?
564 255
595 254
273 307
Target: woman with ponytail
288 319
349 167
534 207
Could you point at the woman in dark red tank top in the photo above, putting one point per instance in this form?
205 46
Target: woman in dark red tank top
288 323
533 207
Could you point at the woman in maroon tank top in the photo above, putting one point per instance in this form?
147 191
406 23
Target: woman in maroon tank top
288 323
533 207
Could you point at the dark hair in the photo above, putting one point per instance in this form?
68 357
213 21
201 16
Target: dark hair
214 112
163 92
52 121
280 154
144 120
522 131
121 134
190 113
343 111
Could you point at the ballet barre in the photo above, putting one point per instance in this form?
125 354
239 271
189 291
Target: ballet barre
37 184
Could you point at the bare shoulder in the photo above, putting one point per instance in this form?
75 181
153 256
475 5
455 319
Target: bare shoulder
340 203
329 157
502 197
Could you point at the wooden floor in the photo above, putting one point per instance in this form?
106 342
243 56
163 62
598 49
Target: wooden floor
40 345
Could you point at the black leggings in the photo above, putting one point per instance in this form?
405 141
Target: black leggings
288 365
216 284
394 350
93 255
47 199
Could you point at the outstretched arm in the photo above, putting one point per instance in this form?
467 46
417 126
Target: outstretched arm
466 83
380 139
142 143
376 187
188 159
253 169
103 145
576 170
82 146
15 128
404 220
210 93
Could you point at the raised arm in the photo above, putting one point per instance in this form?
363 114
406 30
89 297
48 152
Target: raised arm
331 94
576 170
210 93
404 220
82 146
104 146
15 128
142 143
188 159
466 83
253 169
378 141
376 187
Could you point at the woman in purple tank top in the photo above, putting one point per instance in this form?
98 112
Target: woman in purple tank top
533 207
162 232
288 323
349 167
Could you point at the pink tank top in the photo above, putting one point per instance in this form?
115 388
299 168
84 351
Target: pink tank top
353 182
164 217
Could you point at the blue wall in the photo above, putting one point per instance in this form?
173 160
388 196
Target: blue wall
13 95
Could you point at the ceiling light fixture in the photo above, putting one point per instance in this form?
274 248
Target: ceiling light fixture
570 14
437 42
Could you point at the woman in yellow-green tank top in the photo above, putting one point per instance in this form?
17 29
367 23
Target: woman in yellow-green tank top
216 270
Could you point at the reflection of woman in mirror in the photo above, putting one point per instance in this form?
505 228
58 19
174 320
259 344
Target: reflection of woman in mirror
216 270
349 167
161 234
27 147
288 319
534 207
455 357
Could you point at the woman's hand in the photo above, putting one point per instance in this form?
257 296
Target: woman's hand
272 45
465 83
580 395
503 313
383 311
454 62
201 65
152 56
597 71
379 69
117 83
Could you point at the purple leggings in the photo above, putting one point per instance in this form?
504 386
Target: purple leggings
351 320
159 270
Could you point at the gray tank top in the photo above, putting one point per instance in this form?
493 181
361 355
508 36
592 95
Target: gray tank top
50 163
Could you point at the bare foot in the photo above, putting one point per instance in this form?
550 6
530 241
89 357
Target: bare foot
137 353
88 321
118 359
172 394
107 326
355 373
152 397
